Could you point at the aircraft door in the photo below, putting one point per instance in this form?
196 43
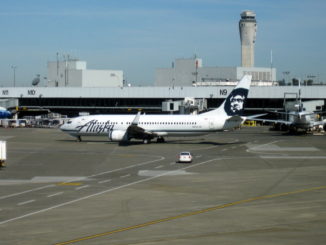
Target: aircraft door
211 123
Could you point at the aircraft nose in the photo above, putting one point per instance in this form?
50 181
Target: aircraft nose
63 127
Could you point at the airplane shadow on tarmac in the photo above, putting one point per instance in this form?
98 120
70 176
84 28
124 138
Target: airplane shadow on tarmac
139 142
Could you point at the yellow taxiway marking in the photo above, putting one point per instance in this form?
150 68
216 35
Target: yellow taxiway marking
153 222
69 183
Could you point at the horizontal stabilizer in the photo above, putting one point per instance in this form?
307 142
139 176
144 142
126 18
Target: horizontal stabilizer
235 119
253 117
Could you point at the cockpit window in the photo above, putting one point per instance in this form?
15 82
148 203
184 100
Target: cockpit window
69 122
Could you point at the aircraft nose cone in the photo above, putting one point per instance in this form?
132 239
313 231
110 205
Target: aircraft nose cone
63 127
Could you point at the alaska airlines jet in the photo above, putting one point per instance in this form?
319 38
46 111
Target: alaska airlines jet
122 128
4 113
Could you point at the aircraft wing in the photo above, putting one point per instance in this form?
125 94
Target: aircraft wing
253 117
318 123
134 131
273 121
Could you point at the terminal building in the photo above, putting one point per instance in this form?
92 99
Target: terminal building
186 87
71 101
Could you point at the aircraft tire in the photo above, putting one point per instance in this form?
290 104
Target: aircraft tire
160 140
146 141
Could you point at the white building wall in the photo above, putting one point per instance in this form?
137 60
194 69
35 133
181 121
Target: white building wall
164 77
185 73
257 92
75 78
59 73
73 73
102 78
258 73
78 65
213 74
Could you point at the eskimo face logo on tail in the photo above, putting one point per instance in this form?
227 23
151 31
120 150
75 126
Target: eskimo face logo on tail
235 101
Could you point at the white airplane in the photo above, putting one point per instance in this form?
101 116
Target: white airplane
4 113
298 119
122 128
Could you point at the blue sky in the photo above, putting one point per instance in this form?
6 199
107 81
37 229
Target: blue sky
138 36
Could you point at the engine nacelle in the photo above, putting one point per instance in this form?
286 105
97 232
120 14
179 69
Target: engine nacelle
117 135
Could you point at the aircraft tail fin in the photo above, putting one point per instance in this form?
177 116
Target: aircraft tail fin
233 105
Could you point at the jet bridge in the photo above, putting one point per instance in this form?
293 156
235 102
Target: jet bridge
187 106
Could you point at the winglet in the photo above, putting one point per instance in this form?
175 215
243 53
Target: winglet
136 119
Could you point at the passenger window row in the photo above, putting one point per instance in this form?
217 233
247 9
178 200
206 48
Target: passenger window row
153 123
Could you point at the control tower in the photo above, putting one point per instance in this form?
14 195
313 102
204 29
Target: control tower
248 29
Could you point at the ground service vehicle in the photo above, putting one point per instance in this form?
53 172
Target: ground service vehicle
185 156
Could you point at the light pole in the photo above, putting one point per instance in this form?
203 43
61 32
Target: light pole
14 68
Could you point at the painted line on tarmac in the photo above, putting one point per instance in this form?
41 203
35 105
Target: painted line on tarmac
125 176
56 194
26 202
294 157
106 191
66 183
188 214
260 147
24 192
69 184
131 166
81 187
104 181
215 146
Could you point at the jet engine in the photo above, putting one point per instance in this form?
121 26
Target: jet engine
117 135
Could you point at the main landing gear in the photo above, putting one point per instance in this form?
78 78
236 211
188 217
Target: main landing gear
160 140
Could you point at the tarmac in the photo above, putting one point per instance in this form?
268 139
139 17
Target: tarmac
249 186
